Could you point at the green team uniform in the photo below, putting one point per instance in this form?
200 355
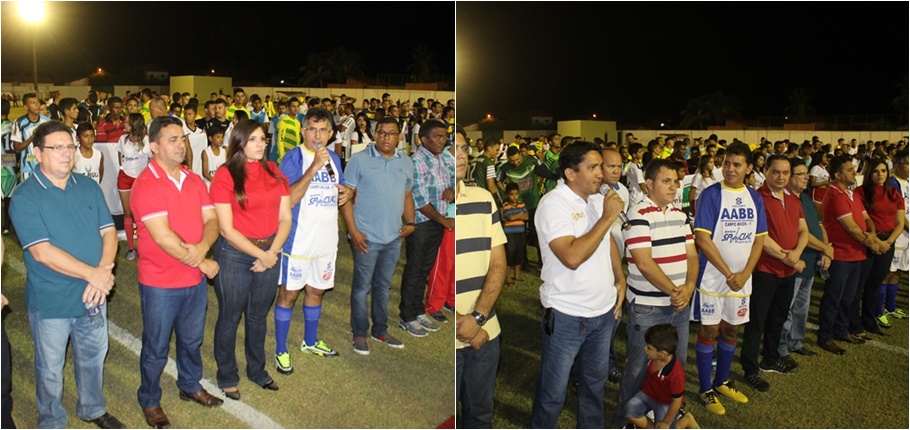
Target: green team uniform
524 176
551 160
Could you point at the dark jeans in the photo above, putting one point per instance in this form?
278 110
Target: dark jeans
475 379
864 307
573 336
834 310
164 310
423 245
770 307
241 292
373 276
7 415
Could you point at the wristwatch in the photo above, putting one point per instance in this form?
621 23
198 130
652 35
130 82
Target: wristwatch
479 317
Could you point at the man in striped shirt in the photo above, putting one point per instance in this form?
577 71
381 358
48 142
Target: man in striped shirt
663 268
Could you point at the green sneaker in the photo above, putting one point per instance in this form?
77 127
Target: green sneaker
284 363
320 349
883 320
898 313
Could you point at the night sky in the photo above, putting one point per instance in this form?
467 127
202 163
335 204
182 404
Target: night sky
635 61
259 40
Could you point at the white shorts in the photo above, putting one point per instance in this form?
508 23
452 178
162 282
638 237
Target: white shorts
711 309
900 260
297 272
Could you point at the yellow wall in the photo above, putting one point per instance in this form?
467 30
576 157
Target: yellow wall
588 130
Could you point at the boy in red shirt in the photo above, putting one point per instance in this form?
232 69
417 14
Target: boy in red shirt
662 391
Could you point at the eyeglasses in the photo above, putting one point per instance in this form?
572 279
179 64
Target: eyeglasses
384 134
59 149
315 130
465 148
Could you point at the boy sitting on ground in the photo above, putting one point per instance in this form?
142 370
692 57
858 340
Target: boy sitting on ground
662 391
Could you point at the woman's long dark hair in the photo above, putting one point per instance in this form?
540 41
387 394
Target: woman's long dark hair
360 134
236 159
869 186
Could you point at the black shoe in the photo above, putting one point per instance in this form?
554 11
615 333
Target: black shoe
789 362
805 351
233 395
271 386
851 338
758 383
615 376
779 367
107 421
876 331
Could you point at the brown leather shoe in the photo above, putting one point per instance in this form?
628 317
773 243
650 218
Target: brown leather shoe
832 347
202 397
156 418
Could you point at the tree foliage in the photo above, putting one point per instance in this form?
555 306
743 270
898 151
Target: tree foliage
334 66
710 109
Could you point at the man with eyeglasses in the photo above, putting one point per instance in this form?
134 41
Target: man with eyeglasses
378 221
433 189
69 245
308 257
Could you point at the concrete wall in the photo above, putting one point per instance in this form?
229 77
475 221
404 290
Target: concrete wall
588 130
754 136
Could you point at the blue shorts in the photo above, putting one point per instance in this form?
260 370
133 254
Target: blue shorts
641 404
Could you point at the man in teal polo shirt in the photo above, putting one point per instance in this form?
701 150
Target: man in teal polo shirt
69 245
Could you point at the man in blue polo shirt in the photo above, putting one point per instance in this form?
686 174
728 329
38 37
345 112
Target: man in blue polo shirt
69 245
382 177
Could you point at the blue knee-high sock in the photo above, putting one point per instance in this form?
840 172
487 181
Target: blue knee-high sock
311 323
704 354
891 298
880 303
724 361
282 325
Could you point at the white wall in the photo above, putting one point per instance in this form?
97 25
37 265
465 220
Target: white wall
754 136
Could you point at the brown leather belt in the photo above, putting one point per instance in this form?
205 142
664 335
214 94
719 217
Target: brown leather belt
883 235
262 243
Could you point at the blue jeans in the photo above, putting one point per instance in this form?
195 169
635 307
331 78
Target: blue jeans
475 379
641 318
639 405
573 336
165 310
89 349
834 310
794 330
241 292
373 274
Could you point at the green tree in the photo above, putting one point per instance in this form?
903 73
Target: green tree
799 107
901 101
710 109
332 66
422 65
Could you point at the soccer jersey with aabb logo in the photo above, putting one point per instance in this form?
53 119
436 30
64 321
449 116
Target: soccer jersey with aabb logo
314 225
733 217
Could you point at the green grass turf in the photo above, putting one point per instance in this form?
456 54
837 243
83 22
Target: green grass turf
866 388
408 388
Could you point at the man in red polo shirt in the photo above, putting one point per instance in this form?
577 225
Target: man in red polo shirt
177 226
774 275
111 126
843 219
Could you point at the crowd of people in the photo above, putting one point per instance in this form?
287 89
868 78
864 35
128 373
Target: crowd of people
246 196
740 247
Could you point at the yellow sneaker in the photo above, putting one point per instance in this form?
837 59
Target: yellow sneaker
709 399
728 391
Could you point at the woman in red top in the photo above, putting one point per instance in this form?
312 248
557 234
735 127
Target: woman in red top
885 210
252 200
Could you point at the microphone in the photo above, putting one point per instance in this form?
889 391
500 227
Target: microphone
604 189
328 164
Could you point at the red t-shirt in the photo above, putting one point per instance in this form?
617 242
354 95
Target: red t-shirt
839 203
664 385
884 212
783 226
107 131
153 195
259 219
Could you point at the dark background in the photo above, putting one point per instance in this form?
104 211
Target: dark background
642 61
248 40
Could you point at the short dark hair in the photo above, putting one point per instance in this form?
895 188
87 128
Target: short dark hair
319 114
114 99
794 163
389 120
512 186
635 147
85 126
656 164
237 90
512 151
47 128
774 157
157 124
900 156
837 163
220 101
740 149
427 127
490 142
662 337
573 154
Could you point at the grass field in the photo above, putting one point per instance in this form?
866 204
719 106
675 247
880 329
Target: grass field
866 388
408 388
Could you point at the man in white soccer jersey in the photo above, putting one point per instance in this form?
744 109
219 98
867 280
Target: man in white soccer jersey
23 132
308 256
729 227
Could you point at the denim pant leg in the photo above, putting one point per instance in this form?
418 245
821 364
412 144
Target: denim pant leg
423 245
262 295
641 318
793 331
475 381
190 329
595 362
232 288
364 267
50 337
834 297
386 263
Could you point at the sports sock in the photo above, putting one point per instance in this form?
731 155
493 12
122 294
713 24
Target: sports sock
704 354
311 323
725 350
880 303
282 325
128 229
891 298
